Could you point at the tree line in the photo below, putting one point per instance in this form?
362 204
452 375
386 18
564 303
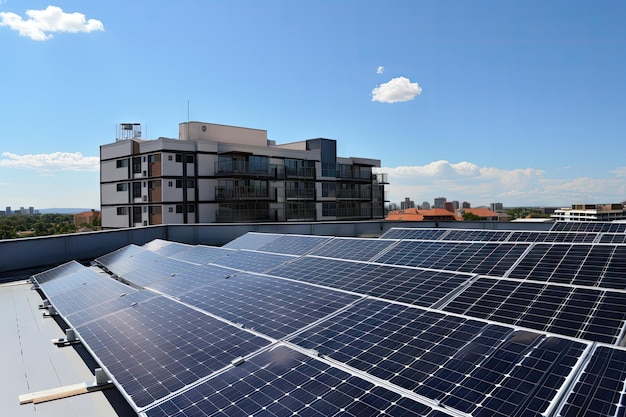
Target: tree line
28 225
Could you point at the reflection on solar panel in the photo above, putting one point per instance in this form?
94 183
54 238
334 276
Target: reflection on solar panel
165 248
128 259
567 237
159 346
408 233
599 391
201 255
152 270
59 271
408 285
479 258
110 259
590 265
251 241
280 307
191 279
69 282
477 235
604 227
459 362
356 249
87 295
252 261
284 382
294 244
572 311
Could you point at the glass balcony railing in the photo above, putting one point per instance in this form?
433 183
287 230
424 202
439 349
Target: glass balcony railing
297 193
229 168
241 193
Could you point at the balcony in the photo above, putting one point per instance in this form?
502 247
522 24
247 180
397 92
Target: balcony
242 215
301 214
302 172
243 168
245 193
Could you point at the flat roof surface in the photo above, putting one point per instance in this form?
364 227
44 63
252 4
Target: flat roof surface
31 362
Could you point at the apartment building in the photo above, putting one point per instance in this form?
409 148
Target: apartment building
217 173
591 212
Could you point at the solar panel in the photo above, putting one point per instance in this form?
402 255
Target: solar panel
566 237
285 382
408 285
155 269
466 365
613 238
586 313
96 311
604 227
69 282
164 247
413 233
191 279
128 259
59 271
159 346
478 258
578 264
273 306
351 248
252 241
252 261
294 244
110 259
599 390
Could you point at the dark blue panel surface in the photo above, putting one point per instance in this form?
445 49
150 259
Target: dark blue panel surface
251 261
356 249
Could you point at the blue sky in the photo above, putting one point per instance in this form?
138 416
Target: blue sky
519 102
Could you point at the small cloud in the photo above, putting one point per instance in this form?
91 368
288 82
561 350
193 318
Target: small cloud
396 90
41 23
380 70
56 161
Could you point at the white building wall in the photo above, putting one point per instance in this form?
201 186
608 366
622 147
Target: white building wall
110 218
110 172
207 212
112 196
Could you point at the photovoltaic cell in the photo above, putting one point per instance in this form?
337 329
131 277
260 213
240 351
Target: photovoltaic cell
590 314
130 260
270 305
69 282
599 391
252 261
159 346
604 227
410 233
110 259
113 305
470 366
613 238
552 237
408 285
89 294
478 258
164 247
356 249
294 244
284 382
154 270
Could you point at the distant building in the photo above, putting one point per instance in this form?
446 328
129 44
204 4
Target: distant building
8 211
591 213
407 204
486 214
465 205
439 202
439 214
216 173
449 205
496 207
425 205
86 217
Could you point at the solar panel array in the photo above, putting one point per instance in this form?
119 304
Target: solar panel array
421 322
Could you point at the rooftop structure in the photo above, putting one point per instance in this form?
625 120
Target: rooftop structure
421 321
216 173
591 213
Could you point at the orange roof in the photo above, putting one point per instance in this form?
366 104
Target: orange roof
481 212
416 215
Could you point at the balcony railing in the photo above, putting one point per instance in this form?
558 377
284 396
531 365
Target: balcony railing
303 172
301 214
245 215
297 193
239 168
242 193
354 194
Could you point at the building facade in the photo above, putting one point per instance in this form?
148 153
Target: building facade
591 213
216 173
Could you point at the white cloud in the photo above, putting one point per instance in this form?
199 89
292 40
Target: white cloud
465 181
42 23
396 90
48 162
380 70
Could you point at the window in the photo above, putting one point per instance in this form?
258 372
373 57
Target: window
179 183
145 209
170 183
191 208
122 187
329 189
169 157
144 159
189 159
121 163
191 184
145 184
121 211
179 208
136 165
170 209
329 209
179 158
136 190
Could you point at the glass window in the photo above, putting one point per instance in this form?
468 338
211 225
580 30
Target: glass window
122 187
179 208
121 163
189 159
329 209
136 165
121 211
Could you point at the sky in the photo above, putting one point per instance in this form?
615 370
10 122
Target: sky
518 102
